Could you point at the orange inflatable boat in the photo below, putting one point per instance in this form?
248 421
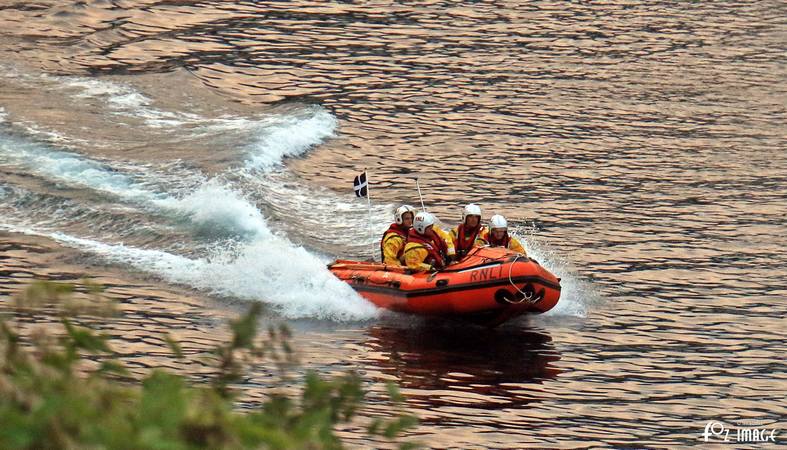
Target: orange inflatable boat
489 286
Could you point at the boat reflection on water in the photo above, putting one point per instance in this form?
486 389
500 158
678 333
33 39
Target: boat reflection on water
502 362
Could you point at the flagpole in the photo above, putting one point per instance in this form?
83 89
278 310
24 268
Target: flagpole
418 185
369 204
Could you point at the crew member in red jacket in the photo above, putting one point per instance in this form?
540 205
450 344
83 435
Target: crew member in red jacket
469 233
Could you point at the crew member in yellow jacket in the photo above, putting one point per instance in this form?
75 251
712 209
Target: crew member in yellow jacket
498 235
470 233
392 244
425 250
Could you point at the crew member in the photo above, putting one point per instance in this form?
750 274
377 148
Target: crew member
392 244
469 233
498 235
425 250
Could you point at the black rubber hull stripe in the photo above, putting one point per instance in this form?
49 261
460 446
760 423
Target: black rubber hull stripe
459 287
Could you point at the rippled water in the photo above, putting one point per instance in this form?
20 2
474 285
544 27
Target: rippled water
201 154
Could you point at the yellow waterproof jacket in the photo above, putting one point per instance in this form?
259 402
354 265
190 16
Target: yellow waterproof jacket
391 245
449 242
516 246
513 243
414 256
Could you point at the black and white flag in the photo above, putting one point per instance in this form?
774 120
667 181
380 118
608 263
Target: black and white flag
360 186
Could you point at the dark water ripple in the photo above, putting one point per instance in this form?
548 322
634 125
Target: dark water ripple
644 141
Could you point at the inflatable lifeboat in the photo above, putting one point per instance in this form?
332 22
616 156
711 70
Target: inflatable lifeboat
488 286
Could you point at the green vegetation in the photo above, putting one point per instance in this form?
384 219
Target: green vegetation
49 399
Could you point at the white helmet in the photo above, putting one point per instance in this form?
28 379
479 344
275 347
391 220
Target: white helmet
400 211
471 210
497 221
422 221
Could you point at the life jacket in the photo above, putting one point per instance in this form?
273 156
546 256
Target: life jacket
464 240
398 230
433 244
501 243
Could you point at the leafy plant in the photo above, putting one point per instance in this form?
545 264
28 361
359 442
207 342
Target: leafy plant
49 400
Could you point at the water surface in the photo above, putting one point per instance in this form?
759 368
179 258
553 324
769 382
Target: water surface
196 156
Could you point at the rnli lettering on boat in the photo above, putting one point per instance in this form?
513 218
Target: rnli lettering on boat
490 273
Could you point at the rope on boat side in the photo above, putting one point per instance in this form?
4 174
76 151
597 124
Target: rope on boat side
529 296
